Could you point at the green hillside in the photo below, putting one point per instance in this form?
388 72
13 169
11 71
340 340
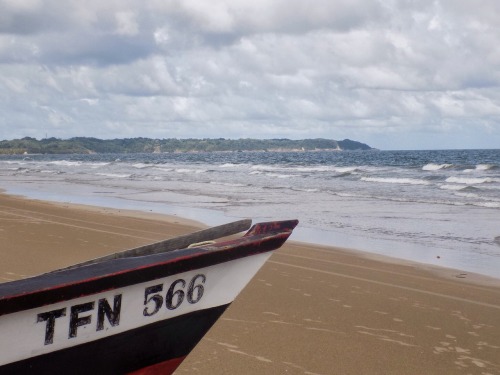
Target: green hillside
85 145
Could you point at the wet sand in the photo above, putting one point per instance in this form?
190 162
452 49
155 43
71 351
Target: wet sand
310 310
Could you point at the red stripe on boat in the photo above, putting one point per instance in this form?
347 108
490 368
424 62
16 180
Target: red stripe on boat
162 368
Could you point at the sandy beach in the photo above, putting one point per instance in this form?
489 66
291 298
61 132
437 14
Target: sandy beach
310 310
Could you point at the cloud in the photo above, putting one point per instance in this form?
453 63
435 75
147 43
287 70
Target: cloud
376 71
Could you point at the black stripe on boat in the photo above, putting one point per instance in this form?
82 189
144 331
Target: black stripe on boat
125 352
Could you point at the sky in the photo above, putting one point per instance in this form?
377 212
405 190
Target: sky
393 74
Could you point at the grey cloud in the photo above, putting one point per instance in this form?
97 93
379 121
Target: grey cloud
94 49
342 69
20 18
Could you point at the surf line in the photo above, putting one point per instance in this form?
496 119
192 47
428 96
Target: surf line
390 285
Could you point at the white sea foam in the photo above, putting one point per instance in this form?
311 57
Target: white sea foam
189 170
164 169
484 167
278 175
24 170
386 180
466 195
114 175
481 168
141 165
345 169
261 167
97 165
306 190
313 169
301 169
325 169
469 180
228 184
66 163
256 172
435 167
487 204
451 187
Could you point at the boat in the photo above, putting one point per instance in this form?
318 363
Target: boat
139 311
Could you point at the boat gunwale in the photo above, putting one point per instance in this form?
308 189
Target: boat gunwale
55 287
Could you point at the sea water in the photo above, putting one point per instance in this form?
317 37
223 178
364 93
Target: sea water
434 207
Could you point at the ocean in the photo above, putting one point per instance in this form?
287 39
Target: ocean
433 207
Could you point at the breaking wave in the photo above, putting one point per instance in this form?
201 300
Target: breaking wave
436 167
469 180
386 180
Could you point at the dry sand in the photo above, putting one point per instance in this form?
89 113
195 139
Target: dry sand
310 310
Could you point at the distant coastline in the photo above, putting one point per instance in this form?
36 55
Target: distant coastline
87 145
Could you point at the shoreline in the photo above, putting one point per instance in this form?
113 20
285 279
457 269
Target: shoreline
182 222
204 218
310 309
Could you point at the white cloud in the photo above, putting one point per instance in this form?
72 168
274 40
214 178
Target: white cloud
126 23
368 70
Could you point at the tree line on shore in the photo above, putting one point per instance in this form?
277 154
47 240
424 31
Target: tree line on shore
88 145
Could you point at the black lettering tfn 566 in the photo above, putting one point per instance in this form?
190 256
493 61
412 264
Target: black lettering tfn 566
153 299
78 319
